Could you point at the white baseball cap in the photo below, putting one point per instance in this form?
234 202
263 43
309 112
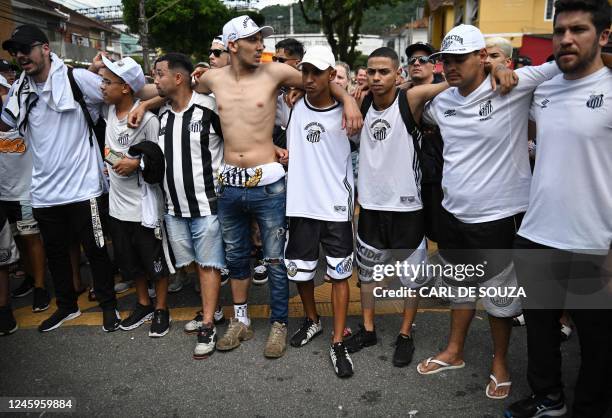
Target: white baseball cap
243 27
219 40
320 56
128 70
462 39
4 83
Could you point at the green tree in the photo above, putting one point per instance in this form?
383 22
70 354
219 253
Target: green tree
342 20
189 26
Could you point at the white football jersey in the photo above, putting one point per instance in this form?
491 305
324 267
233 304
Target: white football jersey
389 174
570 204
486 174
320 177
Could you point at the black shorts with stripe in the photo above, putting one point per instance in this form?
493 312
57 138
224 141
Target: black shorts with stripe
302 250
477 243
386 230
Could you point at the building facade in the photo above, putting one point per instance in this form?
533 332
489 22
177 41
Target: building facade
514 20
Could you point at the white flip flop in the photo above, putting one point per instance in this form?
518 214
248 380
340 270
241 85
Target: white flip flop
497 385
443 366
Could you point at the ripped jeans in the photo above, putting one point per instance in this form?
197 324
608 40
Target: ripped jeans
237 205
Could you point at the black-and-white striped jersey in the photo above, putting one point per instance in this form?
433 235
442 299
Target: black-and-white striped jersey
193 150
320 178
389 173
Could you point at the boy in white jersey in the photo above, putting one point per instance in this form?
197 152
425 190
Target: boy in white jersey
485 181
320 201
391 215
566 235
139 250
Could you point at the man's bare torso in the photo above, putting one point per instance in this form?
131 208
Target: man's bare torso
247 109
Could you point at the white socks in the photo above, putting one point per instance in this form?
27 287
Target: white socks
241 313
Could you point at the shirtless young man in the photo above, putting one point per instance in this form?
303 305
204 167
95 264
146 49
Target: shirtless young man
252 181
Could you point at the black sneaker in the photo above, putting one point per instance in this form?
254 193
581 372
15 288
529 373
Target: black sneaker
58 318
8 325
41 300
536 406
307 332
360 339
161 323
111 320
404 348
343 365
138 316
260 271
24 289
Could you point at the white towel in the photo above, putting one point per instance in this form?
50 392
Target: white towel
56 92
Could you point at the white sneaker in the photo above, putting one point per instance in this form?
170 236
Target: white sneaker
194 325
207 339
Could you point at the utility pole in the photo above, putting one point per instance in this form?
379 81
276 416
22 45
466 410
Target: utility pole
291 19
144 35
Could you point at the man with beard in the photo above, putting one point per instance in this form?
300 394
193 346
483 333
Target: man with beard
67 174
567 230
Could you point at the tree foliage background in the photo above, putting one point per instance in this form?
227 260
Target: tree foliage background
188 27
343 21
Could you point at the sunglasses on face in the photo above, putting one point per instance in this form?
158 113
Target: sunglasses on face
282 60
216 52
23 48
422 60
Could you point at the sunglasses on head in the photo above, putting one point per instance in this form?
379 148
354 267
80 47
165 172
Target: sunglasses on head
216 52
422 60
25 49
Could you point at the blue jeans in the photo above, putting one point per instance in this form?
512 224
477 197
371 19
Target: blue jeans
237 205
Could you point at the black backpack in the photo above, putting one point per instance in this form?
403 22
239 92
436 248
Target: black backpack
411 125
98 129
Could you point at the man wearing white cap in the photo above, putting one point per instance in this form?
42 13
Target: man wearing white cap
486 178
253 182
218 54
320 201
138 251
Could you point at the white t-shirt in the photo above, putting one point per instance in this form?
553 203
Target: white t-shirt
570 204
125 196
389 176
15 167
486 174
320 177
66 168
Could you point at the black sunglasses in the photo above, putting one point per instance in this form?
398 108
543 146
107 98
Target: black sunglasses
216 52
281 59
25 49
422 60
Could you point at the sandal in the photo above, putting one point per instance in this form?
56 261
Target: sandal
497 385
443 366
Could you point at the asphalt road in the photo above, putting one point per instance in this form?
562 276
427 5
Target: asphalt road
130 374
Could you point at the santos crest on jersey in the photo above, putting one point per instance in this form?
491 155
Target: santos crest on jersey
320 179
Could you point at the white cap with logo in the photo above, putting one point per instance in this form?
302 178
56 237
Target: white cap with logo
462 39
243 27
320 56
128 70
